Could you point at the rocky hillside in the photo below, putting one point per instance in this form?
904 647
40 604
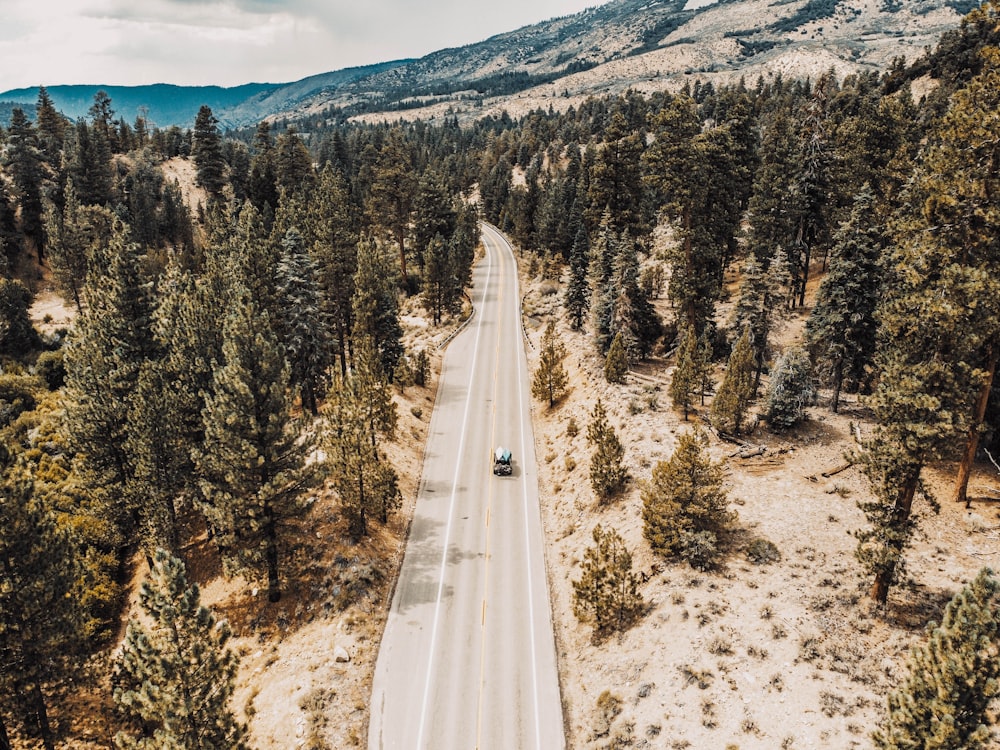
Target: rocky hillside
642 44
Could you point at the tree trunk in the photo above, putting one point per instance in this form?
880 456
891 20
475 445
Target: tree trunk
4 740
41 717
838 379
690 309
901 513
961 493
400 238
271 556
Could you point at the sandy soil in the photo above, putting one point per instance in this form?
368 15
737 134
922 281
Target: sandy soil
789 654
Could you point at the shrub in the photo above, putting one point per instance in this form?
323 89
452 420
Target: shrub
791 390
762 551
607 593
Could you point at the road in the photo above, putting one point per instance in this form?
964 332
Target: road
468 659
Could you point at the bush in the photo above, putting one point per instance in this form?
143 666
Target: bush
50 367
762 551
607 593
791 390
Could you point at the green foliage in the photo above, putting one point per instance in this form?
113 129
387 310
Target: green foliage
616 363
303 328
763 551
252 467
50 367
17 335
550 380
954 677
577 299
40 619
732 401
375 306
790 390
608 475
685 504
840 331
607 592
358 413
206 150
686 377
175 674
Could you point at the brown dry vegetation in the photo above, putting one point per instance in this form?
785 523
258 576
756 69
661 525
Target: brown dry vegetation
789 654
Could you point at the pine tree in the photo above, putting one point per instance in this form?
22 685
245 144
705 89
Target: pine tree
685 381
330 229
607 592
252 467
23 159
550 381
262 187
206 150
303 328
944 702
392 191
40 622
175 675
88 160
17 334
74 235
293 170
763 293
840 331
433 214
52 128
577 299
441 290
732 401
375 306
684 504
616 179
790 390
608 475
616 363
359 412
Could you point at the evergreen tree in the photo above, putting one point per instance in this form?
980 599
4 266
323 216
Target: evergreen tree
303 328
104 356
840 330
39 617
175 675
206 150
392 191
262 187
944 702
331 229
763 293
771 210
684 504
441 291
252 466
607 592
608 475
75 234
790 391
616 363
52 128
23 159
375 306
10 239
550 380
17 334
685 381
616 179
433 214
359 412
88 159
293 170
577 299
732 402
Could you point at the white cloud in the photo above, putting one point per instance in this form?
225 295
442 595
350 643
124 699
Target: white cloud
228 42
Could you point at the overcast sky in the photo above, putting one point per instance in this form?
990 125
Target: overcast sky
229 42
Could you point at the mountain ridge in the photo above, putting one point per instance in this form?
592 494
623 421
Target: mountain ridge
641 44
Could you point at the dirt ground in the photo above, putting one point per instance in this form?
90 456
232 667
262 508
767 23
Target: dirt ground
789 654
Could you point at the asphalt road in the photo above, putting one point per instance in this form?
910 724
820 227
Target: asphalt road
468 657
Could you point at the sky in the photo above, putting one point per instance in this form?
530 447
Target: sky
229 42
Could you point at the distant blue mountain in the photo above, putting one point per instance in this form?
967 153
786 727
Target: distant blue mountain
164 103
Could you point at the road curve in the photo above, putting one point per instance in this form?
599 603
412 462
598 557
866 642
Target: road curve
468 658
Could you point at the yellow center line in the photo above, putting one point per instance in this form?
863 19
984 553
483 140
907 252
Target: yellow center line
489 507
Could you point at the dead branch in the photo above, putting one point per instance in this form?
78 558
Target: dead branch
992 460
837 469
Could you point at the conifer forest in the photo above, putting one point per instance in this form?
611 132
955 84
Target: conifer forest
238 348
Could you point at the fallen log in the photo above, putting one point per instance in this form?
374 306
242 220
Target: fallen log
837 469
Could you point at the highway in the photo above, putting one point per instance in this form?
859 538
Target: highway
468 658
